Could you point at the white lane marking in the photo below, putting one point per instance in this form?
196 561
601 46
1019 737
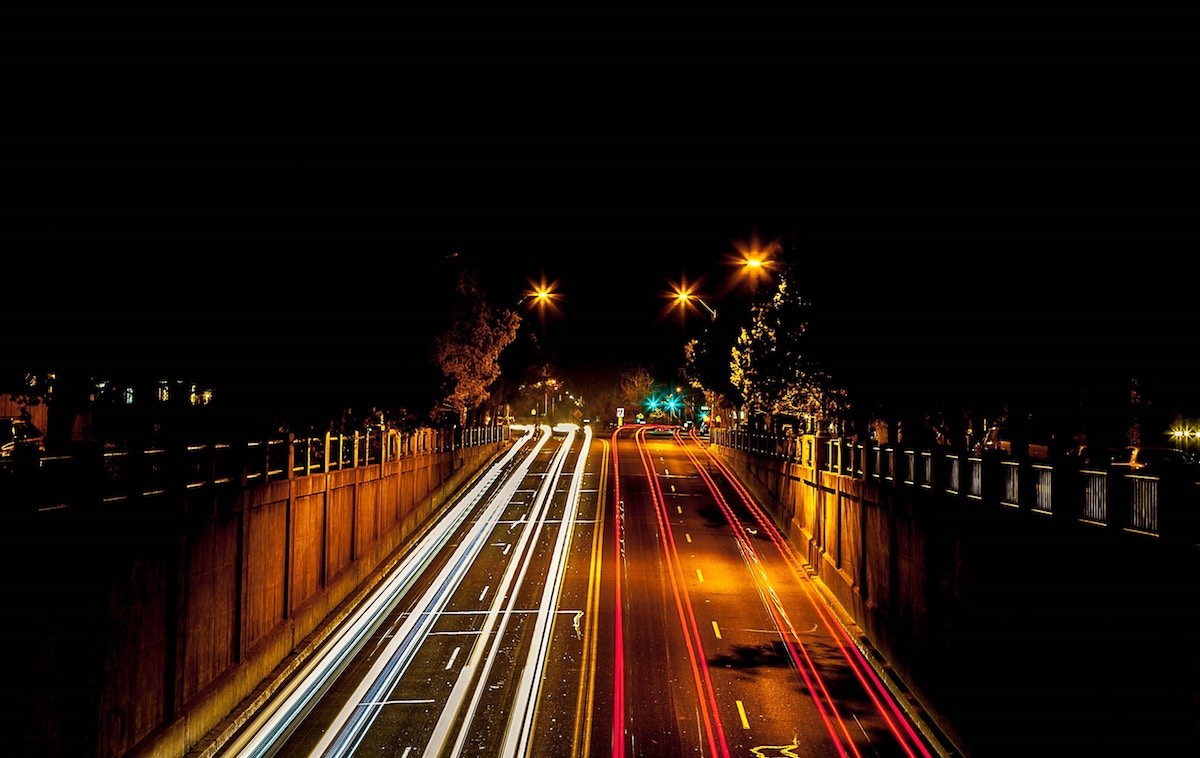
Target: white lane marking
454 655
399 702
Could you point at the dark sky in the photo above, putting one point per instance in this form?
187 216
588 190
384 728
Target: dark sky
968 223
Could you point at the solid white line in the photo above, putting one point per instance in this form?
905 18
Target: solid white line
401 702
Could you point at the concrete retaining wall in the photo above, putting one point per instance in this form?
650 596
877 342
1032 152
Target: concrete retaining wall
142 627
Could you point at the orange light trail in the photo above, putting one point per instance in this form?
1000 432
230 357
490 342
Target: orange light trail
807 668
709 711
618 726
885 704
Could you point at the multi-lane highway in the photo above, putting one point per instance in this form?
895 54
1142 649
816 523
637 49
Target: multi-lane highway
615 596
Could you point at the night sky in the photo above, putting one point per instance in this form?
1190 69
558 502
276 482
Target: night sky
985 226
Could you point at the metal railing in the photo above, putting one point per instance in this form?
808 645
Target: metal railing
1043 487
112 475
1135 503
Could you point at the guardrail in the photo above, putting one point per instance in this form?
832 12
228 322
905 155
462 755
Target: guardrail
1154 506
109 475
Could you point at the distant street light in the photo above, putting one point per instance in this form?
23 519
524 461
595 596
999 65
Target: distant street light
540 297
755 260
685 297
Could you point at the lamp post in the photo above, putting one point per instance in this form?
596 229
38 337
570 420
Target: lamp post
683 297
540 297
547 387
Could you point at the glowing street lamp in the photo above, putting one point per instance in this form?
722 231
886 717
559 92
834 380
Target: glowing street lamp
541 296
685 297
756 260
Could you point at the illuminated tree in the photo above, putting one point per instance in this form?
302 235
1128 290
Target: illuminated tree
468 352
772 367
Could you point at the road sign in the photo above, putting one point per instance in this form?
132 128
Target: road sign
620 413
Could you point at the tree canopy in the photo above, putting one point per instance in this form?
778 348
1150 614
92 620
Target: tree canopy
468 352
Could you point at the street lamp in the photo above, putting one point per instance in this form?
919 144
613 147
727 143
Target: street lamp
548 389
541 296
755 260
684 298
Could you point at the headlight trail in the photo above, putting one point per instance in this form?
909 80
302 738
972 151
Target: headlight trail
514 576
312 680
521 716
363 706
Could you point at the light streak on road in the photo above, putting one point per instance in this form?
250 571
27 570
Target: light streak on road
618 727
474 709
272 724
585 697
356 717
879 693
825 703
714 730
521 716
514 576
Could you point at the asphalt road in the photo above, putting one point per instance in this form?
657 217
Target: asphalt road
617 596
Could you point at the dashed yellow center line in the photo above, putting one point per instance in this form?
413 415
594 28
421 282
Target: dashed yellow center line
742 713
716 630
700 576
689 537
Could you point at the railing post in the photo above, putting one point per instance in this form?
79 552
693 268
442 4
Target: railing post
290 456
819 450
